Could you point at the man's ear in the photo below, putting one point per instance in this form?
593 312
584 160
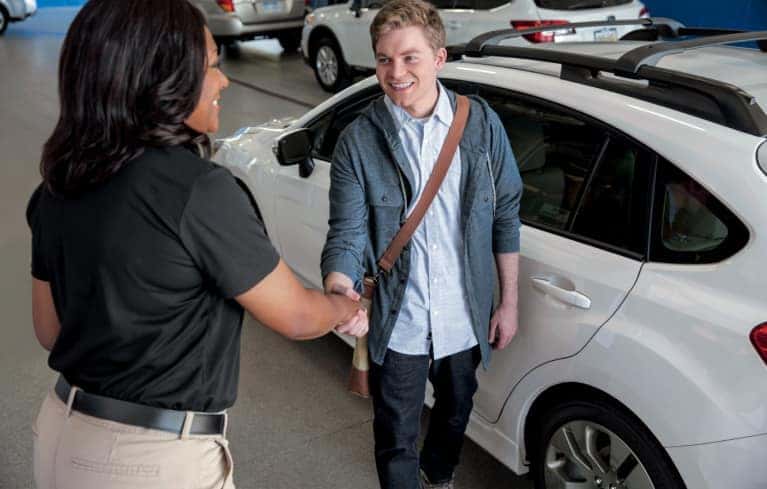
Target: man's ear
441 57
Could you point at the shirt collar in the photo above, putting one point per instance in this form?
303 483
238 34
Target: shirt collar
443 111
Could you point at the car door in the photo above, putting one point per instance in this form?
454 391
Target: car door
353 32
583 235
301 203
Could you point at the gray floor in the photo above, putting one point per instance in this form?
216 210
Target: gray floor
293 425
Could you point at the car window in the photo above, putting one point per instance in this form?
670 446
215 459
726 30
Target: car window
468 4
691 225
555 152
615 207
328 126
578 4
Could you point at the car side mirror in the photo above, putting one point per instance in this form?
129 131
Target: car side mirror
295 148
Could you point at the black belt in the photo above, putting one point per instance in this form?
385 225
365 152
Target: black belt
138 414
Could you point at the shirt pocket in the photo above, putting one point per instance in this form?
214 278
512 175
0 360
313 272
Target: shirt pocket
385 202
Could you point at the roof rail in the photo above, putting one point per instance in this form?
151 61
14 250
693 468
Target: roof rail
650 54
709 99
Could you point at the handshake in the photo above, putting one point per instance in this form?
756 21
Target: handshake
356 324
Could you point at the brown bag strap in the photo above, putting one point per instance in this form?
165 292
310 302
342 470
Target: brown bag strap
452 139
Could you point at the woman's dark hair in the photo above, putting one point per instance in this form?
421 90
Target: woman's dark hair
130 74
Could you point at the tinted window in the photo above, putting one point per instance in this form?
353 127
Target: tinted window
615 207
327 127
691 225
468 4
578 4
555 152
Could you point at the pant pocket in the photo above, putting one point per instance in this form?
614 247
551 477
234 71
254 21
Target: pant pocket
229 469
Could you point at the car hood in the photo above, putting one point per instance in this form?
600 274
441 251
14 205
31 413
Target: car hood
250 145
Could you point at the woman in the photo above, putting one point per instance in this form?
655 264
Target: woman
144 256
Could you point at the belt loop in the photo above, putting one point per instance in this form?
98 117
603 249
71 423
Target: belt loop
226 424
188 419
71 398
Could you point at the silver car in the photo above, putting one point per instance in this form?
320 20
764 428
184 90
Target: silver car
239 20
14 11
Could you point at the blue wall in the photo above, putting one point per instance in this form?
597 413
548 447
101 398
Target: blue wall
59 3
735 14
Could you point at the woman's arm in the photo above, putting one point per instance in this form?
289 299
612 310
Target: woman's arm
280 302
44 316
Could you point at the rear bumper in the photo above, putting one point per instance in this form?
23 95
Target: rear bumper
231 26
735 463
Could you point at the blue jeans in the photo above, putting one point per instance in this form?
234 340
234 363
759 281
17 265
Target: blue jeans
398 388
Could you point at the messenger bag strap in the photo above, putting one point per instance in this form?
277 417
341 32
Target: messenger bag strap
386 262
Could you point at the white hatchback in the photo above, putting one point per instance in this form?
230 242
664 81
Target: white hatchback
640 362
15 11
335 41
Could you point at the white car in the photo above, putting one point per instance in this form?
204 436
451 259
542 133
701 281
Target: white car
240 20
641 357
15 11
335 41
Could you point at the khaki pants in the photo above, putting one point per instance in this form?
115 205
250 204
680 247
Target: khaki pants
75 451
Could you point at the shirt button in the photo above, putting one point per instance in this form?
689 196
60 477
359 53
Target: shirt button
384 198
434 247
436 313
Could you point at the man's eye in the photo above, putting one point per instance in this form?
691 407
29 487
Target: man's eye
411 59
383 61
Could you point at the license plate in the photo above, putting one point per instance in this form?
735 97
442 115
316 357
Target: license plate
606 35
271 6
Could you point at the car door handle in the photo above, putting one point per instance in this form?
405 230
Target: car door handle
572 297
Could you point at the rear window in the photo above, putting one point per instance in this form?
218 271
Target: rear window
468 4
578 4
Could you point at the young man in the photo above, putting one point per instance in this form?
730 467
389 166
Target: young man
431 314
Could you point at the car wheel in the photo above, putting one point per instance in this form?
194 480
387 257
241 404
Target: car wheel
329 67
5 18
597 444
290 41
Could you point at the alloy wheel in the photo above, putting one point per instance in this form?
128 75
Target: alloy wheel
586 455
327 65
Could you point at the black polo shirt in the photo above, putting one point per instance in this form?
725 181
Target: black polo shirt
143 270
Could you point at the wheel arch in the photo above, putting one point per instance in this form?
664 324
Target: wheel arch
318 33
576 391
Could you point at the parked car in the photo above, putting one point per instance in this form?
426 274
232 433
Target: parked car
15 11
336 41
640 361
240 20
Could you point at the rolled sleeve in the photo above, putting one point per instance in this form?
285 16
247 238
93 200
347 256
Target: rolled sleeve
348 216
508 188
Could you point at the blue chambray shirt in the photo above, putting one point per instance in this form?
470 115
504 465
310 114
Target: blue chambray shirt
435 309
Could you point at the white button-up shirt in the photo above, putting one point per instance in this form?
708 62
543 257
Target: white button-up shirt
435 309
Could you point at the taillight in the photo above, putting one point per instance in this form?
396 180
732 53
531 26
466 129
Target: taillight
226 5
546 36
759 339
644 13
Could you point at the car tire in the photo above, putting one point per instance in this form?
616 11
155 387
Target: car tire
329 67
290 41
5 19
600 444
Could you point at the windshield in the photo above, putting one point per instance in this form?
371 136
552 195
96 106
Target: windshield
578 4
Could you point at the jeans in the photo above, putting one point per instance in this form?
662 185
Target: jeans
398 388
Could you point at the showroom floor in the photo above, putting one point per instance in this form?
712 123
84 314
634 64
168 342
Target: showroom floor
293 425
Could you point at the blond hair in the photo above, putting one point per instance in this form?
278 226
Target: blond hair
397 14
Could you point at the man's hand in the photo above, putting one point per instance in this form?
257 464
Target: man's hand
358 325
503 326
